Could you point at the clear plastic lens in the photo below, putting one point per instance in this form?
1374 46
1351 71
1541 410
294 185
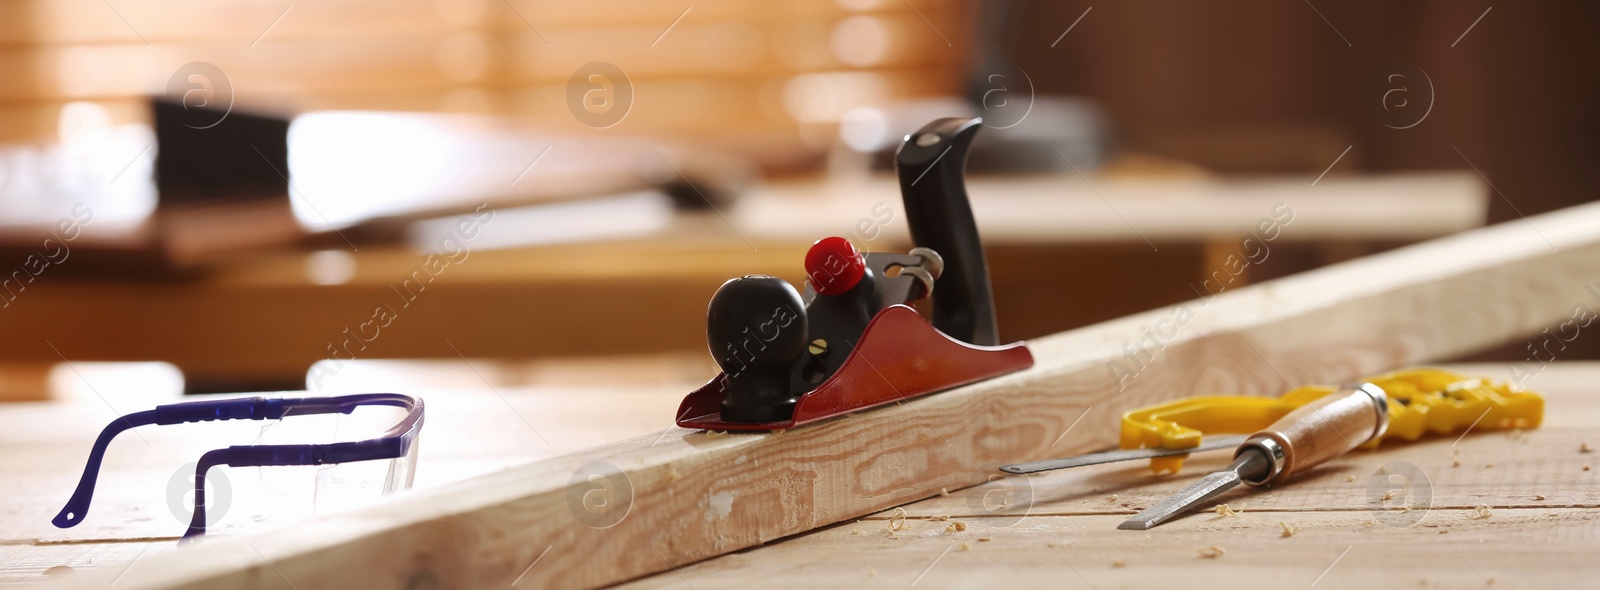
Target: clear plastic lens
275 494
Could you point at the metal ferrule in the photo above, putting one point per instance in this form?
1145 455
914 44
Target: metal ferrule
1269 448
1380 402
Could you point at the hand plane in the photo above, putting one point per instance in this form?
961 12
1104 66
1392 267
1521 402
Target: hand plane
854 341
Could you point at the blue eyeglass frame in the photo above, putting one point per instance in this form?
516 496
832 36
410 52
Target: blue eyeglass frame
393 444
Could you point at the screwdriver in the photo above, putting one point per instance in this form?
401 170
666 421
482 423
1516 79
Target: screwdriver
1304 438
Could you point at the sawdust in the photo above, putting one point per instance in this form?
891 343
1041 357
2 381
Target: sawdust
716 433
963 547
1538 497
1583 447
857 532
1212 552
955 527
1224 511
1113 497
1288 530
1585 467
1455 463
1119 564
1444 531
1481 512
941 518
1349 478
944 492
1488 465
897 521
1388 495
985 539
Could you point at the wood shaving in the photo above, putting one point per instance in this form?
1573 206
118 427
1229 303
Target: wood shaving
1212 552
1113 497
964 547
1288 529
1538 497
1225 512
1455 463
897 521
955 527
1349 478
944 492
1481 512
857 532
1118 564
941 518
1583 447
716 433
985 539
1388 495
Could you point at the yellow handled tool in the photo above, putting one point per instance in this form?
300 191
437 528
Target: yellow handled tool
1420 401
1423 400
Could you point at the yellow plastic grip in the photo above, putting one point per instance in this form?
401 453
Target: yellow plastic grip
1422 401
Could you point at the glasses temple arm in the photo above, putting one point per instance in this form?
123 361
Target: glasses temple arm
256 408
78 506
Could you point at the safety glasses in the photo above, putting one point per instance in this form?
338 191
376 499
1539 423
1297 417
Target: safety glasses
397 443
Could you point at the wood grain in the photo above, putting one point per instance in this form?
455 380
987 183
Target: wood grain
1324 429
1060 528
693 495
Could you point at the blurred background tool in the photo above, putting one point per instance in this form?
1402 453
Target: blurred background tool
1421 401
1305 438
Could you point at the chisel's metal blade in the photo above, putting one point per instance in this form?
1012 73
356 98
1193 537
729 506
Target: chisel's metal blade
1251 463
1207 444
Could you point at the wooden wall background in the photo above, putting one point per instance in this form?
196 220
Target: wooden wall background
1267 85
727 70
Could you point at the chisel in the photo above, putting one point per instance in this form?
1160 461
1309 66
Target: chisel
1304 438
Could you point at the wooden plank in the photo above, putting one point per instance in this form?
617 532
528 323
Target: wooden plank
682 496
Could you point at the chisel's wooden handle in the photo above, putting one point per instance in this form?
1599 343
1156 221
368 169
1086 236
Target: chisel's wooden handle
1323 429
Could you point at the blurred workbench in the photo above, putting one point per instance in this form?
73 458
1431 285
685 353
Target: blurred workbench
1501 509
1064 251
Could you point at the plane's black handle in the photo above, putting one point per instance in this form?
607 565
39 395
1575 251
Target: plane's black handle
932 167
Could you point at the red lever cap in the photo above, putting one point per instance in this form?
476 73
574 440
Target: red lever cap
834 266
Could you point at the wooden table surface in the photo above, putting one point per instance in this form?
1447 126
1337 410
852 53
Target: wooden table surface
1045 235
1492 509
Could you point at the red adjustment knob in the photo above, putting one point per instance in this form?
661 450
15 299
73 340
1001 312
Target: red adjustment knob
834 266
